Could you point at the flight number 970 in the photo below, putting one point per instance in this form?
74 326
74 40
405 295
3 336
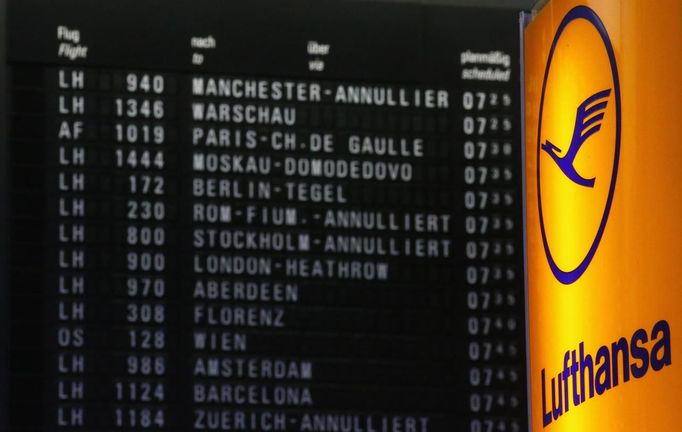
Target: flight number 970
145 287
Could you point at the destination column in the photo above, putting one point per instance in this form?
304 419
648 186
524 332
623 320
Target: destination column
239 234
321 252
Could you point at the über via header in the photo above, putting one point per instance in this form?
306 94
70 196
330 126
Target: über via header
611 365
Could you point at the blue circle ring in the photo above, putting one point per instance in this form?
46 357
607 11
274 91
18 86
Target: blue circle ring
581 12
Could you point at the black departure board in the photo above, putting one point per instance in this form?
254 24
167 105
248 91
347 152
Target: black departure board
262 216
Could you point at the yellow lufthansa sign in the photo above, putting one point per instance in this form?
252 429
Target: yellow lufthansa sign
603 144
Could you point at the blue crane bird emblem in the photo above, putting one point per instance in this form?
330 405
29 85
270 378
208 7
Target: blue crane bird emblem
588 120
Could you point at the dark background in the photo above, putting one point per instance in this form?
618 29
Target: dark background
4 210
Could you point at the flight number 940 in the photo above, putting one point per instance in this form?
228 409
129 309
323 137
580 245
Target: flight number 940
145 83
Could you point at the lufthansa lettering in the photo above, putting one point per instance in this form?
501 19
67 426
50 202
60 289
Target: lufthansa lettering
604 371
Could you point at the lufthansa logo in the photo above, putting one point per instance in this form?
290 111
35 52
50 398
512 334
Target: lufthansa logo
578 143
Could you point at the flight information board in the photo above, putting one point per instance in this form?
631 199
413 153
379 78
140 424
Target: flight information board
263 216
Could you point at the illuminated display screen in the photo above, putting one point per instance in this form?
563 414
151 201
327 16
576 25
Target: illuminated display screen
275 216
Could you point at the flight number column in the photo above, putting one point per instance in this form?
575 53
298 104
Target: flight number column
72 283
493 266
141 154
